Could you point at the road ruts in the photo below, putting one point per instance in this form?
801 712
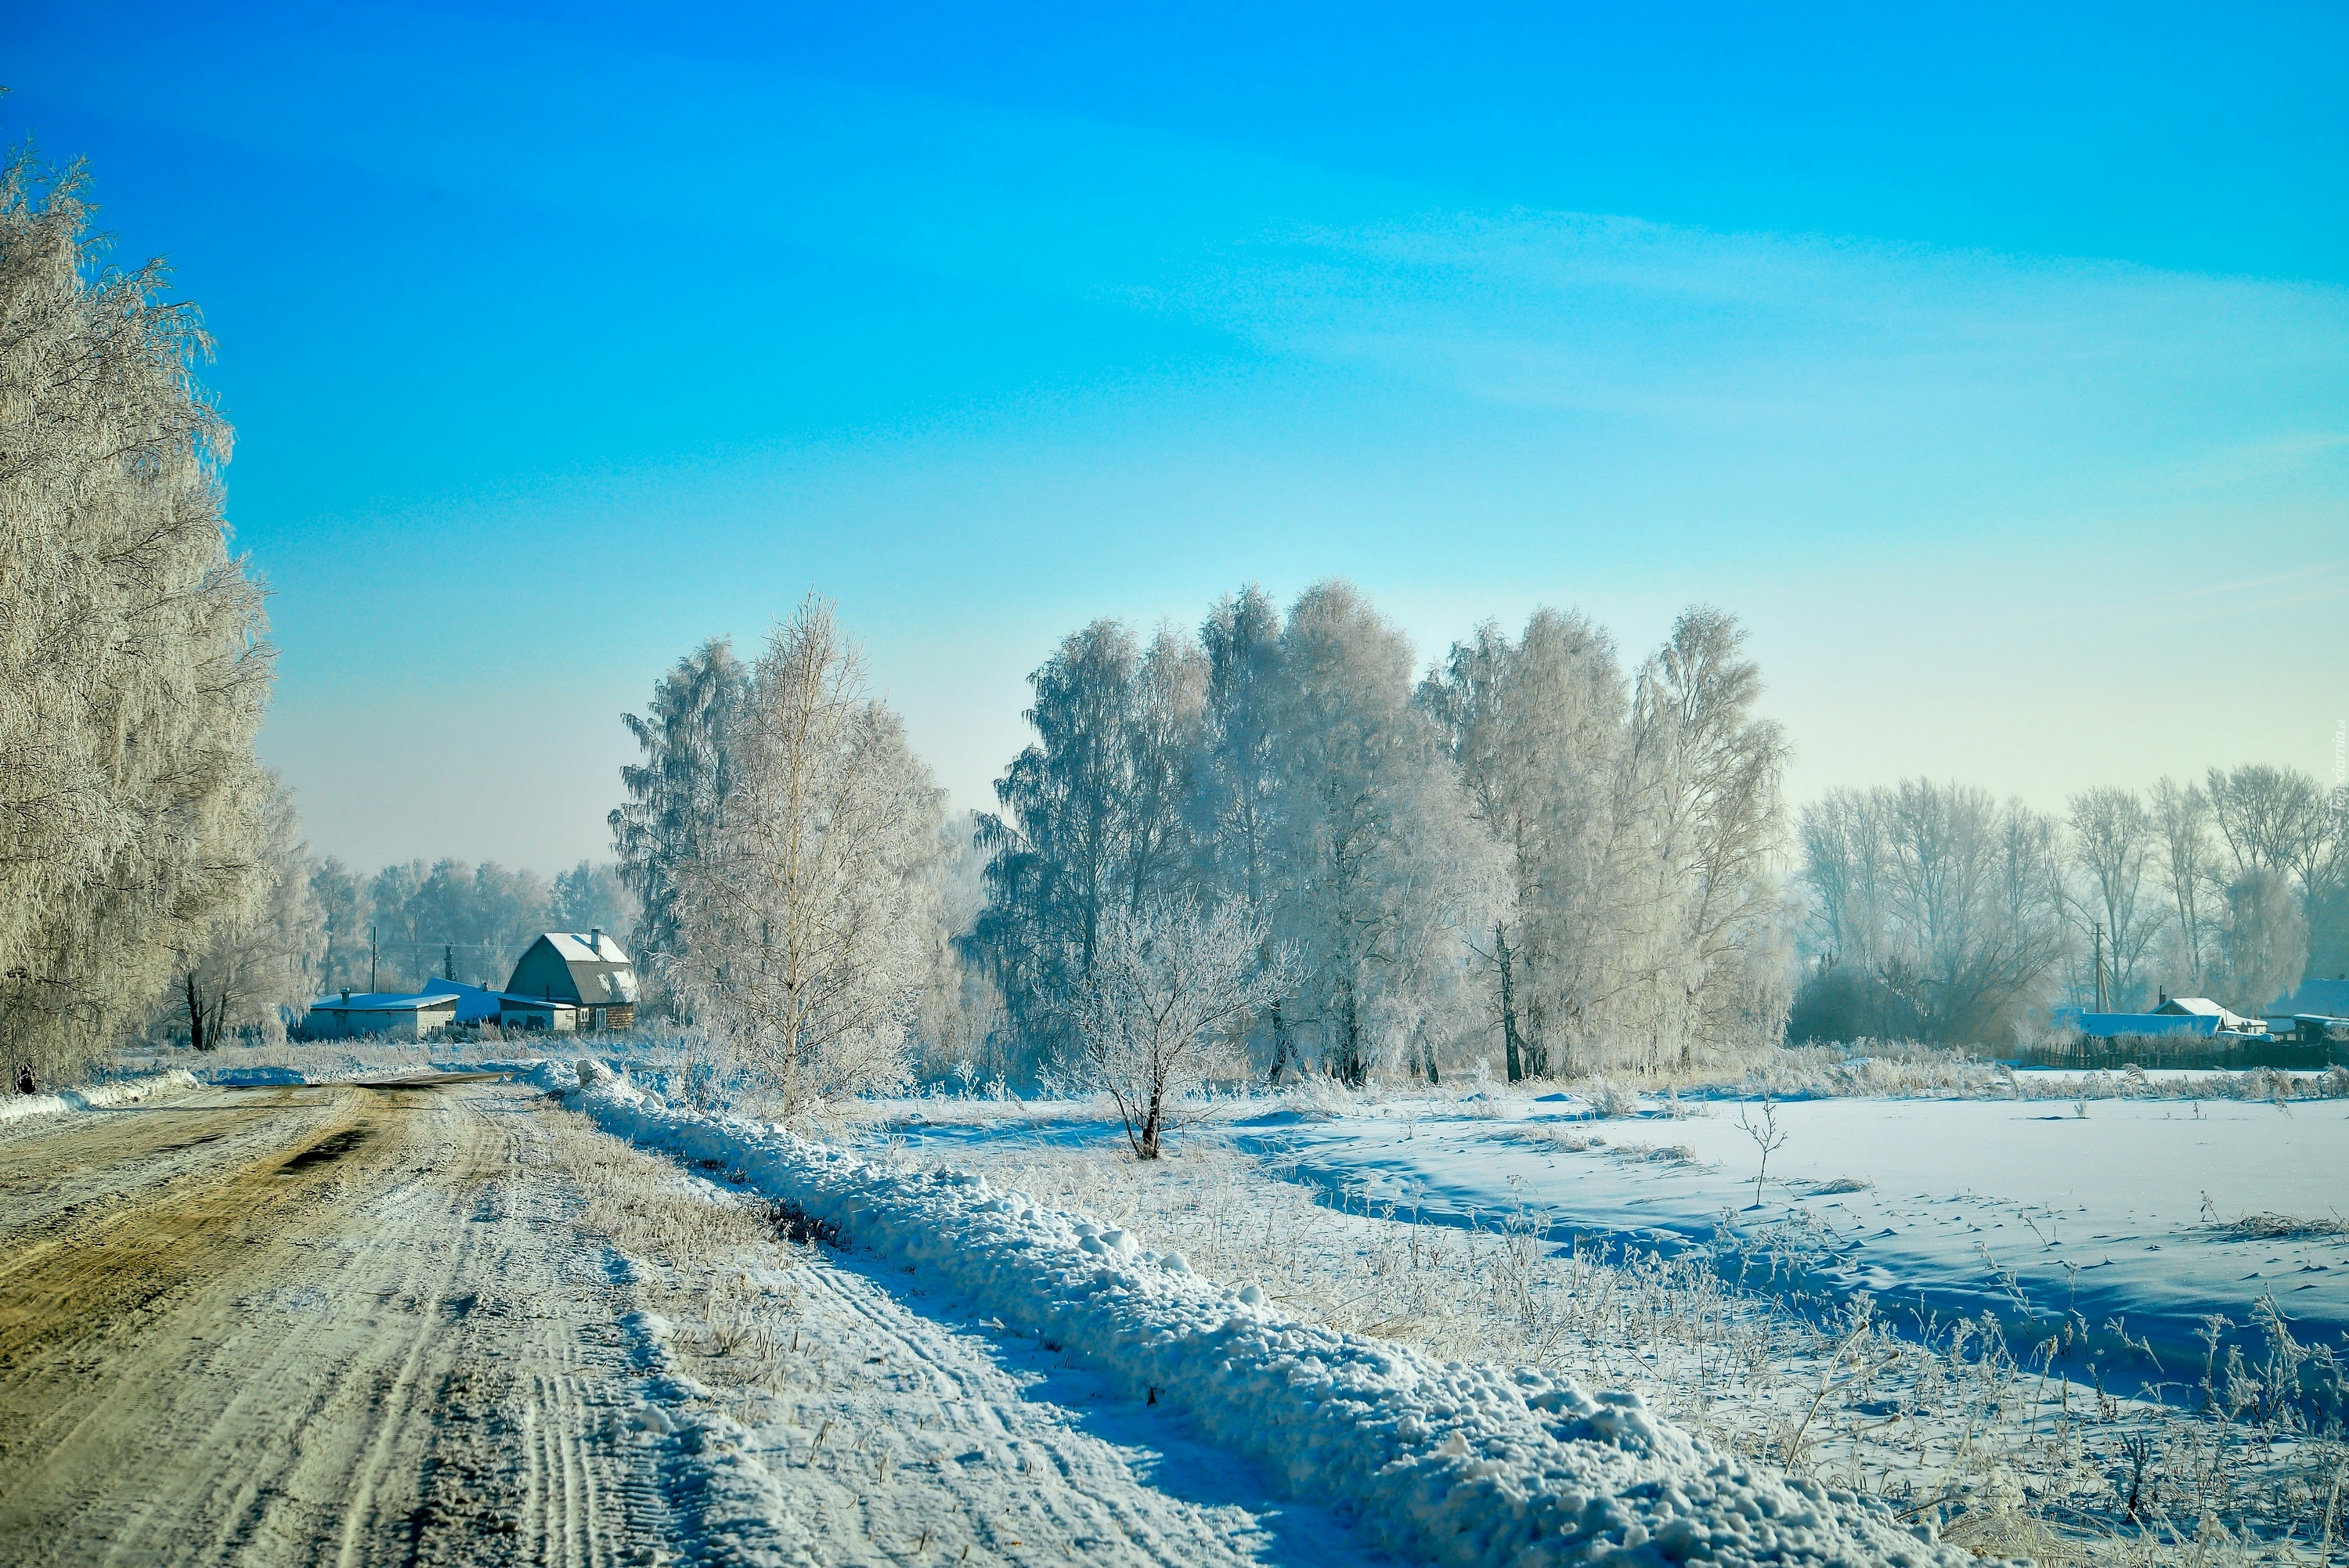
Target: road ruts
338 1325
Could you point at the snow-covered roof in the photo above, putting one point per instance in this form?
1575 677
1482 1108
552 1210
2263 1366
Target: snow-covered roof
586 947
2203 1008
382 1002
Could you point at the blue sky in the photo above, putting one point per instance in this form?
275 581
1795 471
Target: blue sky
1991 363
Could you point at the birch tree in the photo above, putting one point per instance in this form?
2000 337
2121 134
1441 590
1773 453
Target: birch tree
1537 730
346 913
674 791
1379 869
2181 821
132 668
1093 811
1703 775
801 916
2266 941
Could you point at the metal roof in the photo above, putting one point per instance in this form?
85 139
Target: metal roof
382 1002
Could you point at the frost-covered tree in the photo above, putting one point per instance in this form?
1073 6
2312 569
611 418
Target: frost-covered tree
453 920
1236 778
1093 815
1537 730
2266 941
2281 820
252 969
1163 1005
591 897
132 669
674 791
2184 866
1955 901
346 913
1378 868
959 1026
2269 819
1702 772
2113 843
1639 826
801 918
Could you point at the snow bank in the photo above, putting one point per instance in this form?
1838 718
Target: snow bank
129 1091
1466 1465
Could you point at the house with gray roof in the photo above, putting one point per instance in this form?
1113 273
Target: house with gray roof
588 972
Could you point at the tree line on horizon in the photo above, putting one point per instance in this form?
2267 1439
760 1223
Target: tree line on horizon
1530 845
1935 912
1526 855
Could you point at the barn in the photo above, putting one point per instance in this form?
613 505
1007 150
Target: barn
589 972
390 1013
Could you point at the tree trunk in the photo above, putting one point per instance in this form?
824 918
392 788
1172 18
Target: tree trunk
195 1014
1508 1003
1351 1067
1279 1046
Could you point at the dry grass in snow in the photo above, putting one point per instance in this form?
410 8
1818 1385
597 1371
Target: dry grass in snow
1946 1417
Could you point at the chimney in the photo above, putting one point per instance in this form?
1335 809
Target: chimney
596 941
346 996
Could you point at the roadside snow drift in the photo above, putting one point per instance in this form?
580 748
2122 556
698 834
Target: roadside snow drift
1456 1464
129 1091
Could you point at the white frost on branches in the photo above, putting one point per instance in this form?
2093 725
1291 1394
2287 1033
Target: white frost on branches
801 919
132 672
1163 1007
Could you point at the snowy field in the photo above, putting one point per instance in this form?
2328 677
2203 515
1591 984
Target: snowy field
1443 1326
2149 1214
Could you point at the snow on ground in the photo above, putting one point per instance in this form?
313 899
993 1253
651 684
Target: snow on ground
98 1097
2126 1213
881 1428
2117 1214
1455 1463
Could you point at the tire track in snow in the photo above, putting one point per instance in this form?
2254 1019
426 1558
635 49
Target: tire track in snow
327 1325
898 1431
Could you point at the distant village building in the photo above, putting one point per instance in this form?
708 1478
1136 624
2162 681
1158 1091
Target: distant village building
382 1012
475 1003
2316 1012
588 974
2185 1017
563 982
536 1013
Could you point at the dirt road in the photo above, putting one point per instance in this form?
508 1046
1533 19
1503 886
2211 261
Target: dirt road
347 1325
424 1323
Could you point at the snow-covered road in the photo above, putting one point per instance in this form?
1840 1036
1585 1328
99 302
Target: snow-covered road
335 1325
374 1324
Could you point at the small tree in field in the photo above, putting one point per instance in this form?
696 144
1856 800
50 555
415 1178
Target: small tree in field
1767 1136
1162 1006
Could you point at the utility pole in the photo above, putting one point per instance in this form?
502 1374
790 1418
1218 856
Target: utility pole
371 955
448 961
2100 967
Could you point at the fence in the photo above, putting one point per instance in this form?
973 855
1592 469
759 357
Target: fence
2199 1051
